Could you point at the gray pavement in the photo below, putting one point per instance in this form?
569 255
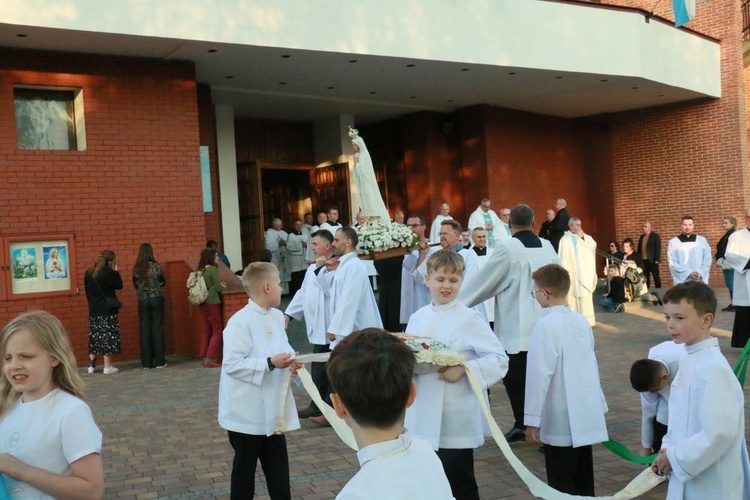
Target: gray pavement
161 439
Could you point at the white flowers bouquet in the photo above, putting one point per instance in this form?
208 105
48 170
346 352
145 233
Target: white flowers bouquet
375 237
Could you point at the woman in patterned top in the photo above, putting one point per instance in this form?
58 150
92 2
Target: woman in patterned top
148 280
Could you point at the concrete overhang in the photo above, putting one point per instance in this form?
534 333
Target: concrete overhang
378 59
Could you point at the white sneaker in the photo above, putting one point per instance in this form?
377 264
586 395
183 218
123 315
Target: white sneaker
110 370
91 369
162 366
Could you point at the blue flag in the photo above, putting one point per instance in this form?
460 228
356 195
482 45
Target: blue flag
684 11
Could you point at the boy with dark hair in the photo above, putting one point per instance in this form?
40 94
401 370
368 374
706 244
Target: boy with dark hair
371 374
564 398
446 413
704 449
652 377
252 385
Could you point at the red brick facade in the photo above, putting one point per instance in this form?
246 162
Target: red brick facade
138 179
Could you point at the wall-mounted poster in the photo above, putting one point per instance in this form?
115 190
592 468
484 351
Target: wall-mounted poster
24 263
41 265
55 262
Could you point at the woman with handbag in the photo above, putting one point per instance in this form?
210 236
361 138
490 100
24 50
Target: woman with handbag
101 281
148 280
211 322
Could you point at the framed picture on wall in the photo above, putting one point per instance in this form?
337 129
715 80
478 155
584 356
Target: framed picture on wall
39 264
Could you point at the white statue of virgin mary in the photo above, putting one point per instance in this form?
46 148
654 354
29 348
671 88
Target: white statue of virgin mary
370 200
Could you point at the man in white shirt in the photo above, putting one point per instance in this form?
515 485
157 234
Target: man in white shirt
485 217
353 304
689 255
578 256
312 304
332 221
506 281
414 291
505 223
276 244
442 216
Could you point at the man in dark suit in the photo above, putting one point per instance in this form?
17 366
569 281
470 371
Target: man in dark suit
649 248
559 224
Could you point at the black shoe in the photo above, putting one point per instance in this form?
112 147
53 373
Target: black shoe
729 308
515 434
541 449
310 411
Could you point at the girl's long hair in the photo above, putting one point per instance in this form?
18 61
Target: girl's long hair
208 258
105 258
145 256
50 333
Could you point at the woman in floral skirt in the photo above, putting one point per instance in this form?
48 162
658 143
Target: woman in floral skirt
101 281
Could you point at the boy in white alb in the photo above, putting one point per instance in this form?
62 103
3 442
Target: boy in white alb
564 398
652 377
371 372
446 412
704 450
252 407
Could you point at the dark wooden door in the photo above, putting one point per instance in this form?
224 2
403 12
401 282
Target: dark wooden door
330 187
251 210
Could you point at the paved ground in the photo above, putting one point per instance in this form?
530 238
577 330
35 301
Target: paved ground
161 439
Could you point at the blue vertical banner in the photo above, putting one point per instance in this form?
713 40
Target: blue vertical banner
208 202
684 11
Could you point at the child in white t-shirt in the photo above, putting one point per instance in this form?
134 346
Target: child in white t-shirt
50 446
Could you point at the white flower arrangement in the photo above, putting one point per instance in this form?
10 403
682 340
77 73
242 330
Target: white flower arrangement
375 237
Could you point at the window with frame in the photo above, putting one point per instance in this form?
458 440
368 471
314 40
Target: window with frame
49 118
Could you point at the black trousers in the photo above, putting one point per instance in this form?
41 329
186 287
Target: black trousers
297 277
515 386
458 465
271 450
650 268
319 375
660 430
741 327
570 470
151 323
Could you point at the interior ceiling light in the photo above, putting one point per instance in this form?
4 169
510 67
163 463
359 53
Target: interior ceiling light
512 73
331 88
229 77
211 51
409 65
352 60
286 56
21 35
282 83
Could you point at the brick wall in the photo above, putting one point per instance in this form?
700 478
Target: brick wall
138 180
687 158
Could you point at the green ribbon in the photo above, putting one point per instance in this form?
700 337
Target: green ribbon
740 368
622 451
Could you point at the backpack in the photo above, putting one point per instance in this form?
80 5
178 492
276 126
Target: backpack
197 290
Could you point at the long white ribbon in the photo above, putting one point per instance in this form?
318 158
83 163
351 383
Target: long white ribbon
642 483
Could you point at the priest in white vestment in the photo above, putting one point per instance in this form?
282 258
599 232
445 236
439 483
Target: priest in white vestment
331 224
276 244
689 255
737 255
353 305
435 227
506 282
479 239
485 217
578 256
296 247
